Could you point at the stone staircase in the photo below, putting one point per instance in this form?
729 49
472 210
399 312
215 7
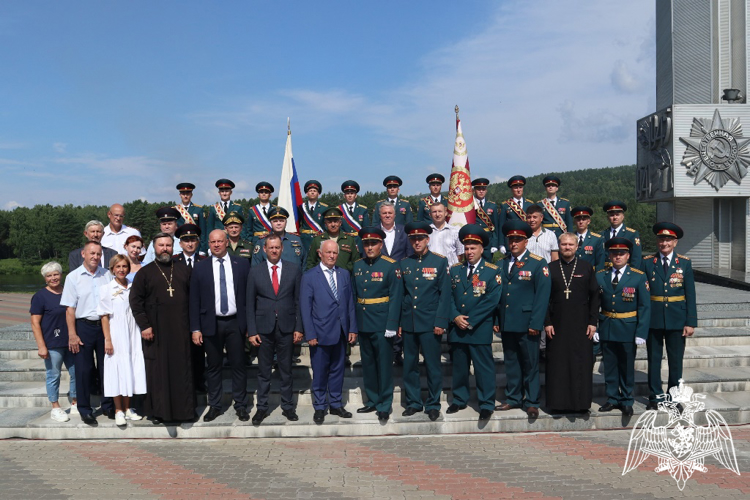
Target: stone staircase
717 364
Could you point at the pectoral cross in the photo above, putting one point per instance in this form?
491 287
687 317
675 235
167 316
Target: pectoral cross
170 290
567 294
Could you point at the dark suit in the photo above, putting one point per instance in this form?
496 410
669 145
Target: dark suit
197 352
401 247
75 259
329 321
221 332
275 317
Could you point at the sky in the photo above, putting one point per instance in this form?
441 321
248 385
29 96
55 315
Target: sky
107 102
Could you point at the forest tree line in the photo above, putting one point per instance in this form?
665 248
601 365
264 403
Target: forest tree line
47 232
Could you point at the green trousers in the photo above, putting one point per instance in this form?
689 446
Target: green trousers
484 373
377 369
431 349
655 343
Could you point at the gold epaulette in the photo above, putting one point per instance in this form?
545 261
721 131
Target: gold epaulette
443 256
564 199
529 200
647 257
322 203
457 264
637 270
630 229
601 271
380 201
196 205
683 256
535 256
597 235
388 259
490 265
363 206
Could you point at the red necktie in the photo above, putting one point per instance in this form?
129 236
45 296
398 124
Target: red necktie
275 279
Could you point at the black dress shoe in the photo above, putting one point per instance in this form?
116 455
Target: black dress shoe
398 360
608 407
366 409
259 416
340 412
88 419
627 411
433 414
211 414
485 414
409 412
290 415
156 421
652 405
110 414
319 416
296 360
453 408
383 416
243 415
348 362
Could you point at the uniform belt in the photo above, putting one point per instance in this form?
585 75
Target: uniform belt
660 298
260 233
90 322
551 225
309 231
630 314
380 300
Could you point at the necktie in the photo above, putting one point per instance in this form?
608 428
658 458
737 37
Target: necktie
481 204
226 206
580 241
665 264
275 279
616 279
351 210
512 261
614 232
471 270
332 282
264 211
554 203
224 298
393 201
190 262
435 200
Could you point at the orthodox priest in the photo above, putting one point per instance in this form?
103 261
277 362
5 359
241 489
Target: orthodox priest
159 300
570 326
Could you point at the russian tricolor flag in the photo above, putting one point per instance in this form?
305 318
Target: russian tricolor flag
290 195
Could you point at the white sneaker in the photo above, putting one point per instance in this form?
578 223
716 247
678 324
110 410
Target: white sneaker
73 409
59 415
132 415
120 418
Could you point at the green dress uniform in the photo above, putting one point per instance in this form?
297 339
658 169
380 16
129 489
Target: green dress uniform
291 250
307 217
487 219
423 212
377 292
353 221
631 235
592 249
194 214
523 306
426 306
404 214
673 307
562 207
625 315
510 211
243 249
477 297
258 224
348 252
216 214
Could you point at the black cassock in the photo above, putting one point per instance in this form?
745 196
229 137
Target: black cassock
169 381
570 356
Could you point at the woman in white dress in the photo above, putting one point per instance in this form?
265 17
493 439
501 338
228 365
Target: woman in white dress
124 368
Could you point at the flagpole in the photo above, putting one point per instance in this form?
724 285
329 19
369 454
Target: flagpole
456 108
289 126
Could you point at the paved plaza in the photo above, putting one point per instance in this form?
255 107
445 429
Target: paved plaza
573 465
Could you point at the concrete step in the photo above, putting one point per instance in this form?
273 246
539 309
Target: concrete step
35 423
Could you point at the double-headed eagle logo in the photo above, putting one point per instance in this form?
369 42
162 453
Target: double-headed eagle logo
681 446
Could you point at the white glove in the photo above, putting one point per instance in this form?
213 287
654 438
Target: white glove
493 249
502 249
596 336
390 333
639 341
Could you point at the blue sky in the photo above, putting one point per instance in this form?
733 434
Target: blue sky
104 102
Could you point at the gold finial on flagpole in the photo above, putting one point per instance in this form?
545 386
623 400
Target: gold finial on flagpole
288 126
456 111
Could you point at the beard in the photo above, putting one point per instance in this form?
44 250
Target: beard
164 258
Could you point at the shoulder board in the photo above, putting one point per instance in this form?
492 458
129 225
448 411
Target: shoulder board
648 257
443 256
601 271
380 201
387 259
596 235
683 256
564 199
457 264
637 271
535 256
363 206
630 230
491 266
322 204
529 200
196 205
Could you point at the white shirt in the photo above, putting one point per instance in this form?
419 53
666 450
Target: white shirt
230 285
513 260
436 200
189 261
445 242
620 273
81 290
278 270
390 238
473 267
617 230
479 203
116 240
544 244
669 258
327 274
519 201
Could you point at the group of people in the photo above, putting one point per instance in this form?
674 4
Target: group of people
235 283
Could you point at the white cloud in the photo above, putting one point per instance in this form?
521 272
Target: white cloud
12 145
10 205
624 80
60 147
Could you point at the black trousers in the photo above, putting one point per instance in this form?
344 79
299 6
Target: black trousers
281 344
92 337
227 336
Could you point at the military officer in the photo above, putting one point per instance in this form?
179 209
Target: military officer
435 182
191 213
476 287
425 314
258 224
348 253
487 215
237 246
167 224
378 292
623 323
220 209
557 216
355 215
673 310
311 214
292 249
514 208
404 214
590 244
525 298
616 214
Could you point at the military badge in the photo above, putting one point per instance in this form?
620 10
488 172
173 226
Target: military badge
489 211
479 286
298 251
256 249
588 250
429 273
648 288
402 210
398 273
637 242
545 271
520 264
407 271
524 275
361 217
628 294
376 276
499 279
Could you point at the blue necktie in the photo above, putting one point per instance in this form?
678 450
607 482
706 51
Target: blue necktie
224 308
332 282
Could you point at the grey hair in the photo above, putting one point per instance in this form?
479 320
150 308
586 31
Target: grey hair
92 223
386 204
51 267
568 235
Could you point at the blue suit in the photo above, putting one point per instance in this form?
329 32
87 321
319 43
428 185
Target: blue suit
401 247
329 321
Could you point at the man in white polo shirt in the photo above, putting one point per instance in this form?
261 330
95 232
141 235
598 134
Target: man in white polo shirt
115 233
